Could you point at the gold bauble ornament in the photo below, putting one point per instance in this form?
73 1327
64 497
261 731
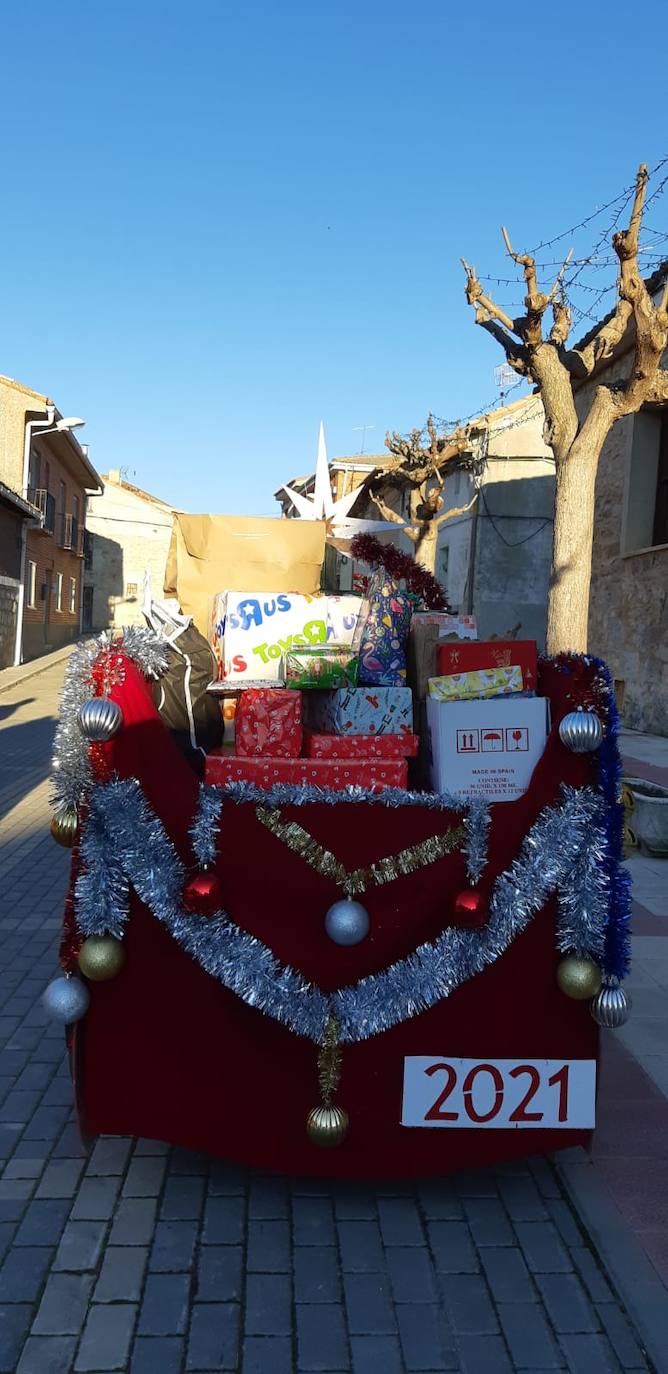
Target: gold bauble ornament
578 978
64 824
327 1125
101 957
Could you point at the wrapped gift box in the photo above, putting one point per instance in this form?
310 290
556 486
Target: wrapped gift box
373 774
401 746
252 631
324 665
485 682
470 657
360 711
268 721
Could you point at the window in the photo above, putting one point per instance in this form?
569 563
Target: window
31 584
88 550
58 591
73 595
75 508
646 512
660 528
34 470
47 476
62 497
131 591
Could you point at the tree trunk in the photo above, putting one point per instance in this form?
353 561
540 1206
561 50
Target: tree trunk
427 547
568 597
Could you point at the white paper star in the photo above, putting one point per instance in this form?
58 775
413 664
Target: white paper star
324 507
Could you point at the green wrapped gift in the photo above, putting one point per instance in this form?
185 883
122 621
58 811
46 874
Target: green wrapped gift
321 665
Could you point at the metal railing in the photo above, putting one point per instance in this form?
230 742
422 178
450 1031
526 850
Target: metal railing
46 505
68 533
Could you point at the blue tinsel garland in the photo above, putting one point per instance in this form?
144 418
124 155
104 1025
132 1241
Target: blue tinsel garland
616 955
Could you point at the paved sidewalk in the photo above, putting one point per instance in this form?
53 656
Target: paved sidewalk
142 1258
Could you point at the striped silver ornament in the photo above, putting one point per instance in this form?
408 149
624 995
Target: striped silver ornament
100 719
611 1007
581 731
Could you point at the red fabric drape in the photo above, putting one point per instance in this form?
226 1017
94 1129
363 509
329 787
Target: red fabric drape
166 1052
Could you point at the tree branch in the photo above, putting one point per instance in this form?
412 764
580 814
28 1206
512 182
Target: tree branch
386 511
456 510
476 296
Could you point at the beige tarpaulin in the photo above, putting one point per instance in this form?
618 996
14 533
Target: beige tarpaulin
238 553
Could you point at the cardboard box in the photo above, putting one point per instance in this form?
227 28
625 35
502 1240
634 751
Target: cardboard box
486 748
489 653
252 631
374 774
360 711
402 746
237 551
428 629
461 626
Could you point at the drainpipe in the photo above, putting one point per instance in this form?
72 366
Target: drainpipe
30 426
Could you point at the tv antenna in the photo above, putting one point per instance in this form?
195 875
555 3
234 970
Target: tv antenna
504 375
362 429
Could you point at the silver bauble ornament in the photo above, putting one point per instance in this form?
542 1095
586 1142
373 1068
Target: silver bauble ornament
66 999
101 957
64 824
611 1008
100 719
581 731
327 1125
578 978
347 922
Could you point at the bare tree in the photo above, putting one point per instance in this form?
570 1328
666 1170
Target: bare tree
577 435
421 462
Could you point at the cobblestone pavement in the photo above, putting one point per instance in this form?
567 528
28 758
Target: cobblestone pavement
142 1258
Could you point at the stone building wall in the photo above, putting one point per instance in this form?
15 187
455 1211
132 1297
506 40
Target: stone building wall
628 609
130 534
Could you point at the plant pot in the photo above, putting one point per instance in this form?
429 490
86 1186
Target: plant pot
649 819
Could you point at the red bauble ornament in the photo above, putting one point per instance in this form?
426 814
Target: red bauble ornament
202 894
470 908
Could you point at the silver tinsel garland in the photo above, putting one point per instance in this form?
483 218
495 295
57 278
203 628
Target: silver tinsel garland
71 771
124 840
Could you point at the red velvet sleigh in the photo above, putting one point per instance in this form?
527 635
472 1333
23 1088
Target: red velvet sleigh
168 1052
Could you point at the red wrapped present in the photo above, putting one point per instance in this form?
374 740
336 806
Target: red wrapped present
373 774
319 746
469 656
268 723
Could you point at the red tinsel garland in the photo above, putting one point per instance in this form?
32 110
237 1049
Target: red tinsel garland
369 550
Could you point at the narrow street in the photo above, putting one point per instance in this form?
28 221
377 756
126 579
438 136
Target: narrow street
139 1257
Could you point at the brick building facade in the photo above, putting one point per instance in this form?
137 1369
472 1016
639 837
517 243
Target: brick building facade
43 464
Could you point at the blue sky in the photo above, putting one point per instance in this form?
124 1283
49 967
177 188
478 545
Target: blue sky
224 221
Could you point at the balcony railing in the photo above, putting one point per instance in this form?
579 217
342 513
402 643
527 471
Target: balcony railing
46 505
68 533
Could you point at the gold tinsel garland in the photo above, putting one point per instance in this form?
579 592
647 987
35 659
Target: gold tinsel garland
329 1060
355 881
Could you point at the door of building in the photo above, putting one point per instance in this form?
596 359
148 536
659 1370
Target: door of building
87 612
